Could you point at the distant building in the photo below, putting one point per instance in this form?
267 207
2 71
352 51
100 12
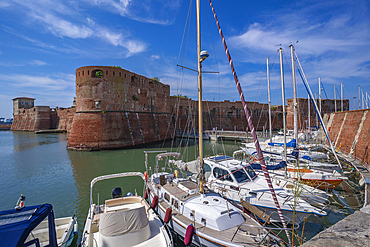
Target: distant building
22 103
28 117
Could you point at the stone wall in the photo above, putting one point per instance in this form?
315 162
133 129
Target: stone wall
350 132
62 118
327 106
116 108
35 118
222 115
43 118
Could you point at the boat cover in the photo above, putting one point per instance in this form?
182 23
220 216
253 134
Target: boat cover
123 221
256 166
192 166
15 226
291 144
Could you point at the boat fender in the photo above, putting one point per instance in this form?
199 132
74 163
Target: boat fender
154 202
176 174
146 176
189 235
20 203
146 194
168 215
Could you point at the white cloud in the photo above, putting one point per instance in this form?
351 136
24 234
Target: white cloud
133 46
61 27
37 63
154 57
39 83
142 11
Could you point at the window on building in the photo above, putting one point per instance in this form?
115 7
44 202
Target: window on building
97 73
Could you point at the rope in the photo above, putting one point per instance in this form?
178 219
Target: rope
251 127
331 111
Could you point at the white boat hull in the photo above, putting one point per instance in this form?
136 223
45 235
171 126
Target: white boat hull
199 239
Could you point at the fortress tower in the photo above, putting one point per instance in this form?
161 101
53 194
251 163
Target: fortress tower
116 108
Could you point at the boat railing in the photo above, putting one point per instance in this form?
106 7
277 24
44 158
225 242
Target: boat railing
117 175
269 229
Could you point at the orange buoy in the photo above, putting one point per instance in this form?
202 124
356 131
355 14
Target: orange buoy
168 215
146 176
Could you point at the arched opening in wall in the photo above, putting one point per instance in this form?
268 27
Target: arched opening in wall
106 72
97 73
88 72
83 73
114 73
119 74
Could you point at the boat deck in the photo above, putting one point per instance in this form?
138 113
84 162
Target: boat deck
180 194
242 235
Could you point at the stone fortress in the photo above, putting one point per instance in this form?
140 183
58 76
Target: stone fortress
115 108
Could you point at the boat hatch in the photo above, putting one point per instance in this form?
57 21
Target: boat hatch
219 158
189 186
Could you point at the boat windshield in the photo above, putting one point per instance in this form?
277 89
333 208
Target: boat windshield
241 176
250 172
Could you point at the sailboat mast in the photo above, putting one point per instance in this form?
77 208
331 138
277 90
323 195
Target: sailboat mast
269 96
283 97
359 97
309 113
341 97
335 99
200 108
320 96
295 110
316 109
251 127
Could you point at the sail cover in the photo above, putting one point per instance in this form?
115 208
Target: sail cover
192 166
291 144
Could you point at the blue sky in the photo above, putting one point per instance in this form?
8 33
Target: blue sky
43 42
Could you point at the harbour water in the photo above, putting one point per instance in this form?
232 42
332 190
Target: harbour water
40 167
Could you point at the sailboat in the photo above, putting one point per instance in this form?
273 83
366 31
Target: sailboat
194 212
238 182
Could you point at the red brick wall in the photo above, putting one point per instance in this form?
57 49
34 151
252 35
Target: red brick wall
62 118
36 118
222 115
327 106
131 111
343 131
